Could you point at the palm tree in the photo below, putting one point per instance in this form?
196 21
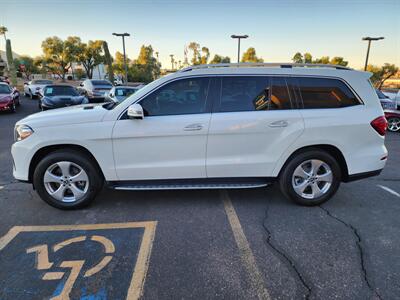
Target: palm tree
3 31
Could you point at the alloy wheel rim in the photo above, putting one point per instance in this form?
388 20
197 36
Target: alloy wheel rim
66 181
312 179
394 124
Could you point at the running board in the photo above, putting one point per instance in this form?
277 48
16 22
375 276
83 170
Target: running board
186 184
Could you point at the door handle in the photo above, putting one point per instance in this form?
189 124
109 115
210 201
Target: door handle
280 123
193 127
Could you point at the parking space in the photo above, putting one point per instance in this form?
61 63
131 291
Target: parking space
248 244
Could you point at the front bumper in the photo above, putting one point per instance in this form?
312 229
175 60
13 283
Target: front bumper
21 154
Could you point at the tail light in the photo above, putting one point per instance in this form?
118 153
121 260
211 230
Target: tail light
380 125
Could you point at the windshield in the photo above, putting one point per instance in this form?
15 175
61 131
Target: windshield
60 90
42 82
4 89
124 92
101 82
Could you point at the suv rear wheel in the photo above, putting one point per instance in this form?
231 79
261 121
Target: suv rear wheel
67 179
310 178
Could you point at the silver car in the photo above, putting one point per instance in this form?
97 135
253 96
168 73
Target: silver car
120 93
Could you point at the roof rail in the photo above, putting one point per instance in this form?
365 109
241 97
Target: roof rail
269 65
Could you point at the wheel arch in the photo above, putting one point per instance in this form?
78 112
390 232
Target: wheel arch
332 150
42 152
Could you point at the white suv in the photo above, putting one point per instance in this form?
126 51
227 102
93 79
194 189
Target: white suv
309 127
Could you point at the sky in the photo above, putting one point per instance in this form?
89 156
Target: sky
276 29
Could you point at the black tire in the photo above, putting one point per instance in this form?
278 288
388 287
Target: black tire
95 179
13 107
286 177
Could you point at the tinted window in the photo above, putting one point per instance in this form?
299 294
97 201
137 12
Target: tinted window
60 90
186 96
124 92
325 93
4 89
42 82
381 95
253 93
101 82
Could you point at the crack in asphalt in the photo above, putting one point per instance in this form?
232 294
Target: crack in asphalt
285 258
360 249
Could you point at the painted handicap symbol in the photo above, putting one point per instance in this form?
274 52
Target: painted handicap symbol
75 266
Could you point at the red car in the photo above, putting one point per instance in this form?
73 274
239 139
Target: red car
9 98
393 118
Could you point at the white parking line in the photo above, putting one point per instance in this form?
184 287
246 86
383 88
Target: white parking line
389 190
256 279
1 187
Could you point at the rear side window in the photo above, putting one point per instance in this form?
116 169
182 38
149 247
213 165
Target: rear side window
247 93
325 93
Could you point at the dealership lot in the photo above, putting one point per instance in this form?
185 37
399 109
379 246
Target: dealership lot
202 244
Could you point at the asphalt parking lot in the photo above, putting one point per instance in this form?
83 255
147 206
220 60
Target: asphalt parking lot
208 244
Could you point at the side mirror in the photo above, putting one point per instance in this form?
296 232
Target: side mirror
81 84
135 111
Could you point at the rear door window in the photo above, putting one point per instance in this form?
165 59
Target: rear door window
325 93
253 93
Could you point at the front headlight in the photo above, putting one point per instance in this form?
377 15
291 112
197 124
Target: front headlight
22 132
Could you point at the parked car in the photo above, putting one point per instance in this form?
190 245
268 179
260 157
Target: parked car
95 90
120 93
205 127
56 96
394 95
9 97
32 88
386 102
393 119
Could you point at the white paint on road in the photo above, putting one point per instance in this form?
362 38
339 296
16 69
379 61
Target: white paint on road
1 187
389 190
256 279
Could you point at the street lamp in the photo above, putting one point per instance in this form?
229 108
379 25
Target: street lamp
123 35
239 37
369 39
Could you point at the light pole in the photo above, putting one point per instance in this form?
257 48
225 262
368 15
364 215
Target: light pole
123 35
172 60
369 39
239 37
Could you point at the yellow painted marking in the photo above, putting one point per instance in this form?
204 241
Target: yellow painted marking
249 262
99 266
141 266
53 276
42 257
139 274
75 267
108 245
67 242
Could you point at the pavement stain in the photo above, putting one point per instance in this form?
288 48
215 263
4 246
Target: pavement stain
285 258
357 235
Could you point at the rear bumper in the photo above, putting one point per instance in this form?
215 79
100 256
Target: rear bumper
363 175
5 105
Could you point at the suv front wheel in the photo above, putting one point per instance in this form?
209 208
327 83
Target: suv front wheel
67 179
310 178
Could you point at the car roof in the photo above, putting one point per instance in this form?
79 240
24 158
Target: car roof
3 83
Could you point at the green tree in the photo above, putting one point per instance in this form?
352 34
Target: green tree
307 58
195 48
108 61
56 56
26 65
90 56
118 64
250 56
323 60
338 60
10 62
205 55
218 59
298 58
381 74
146 67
